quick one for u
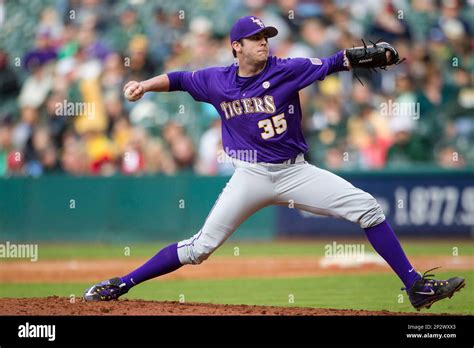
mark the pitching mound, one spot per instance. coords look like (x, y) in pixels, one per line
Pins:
(62, 306)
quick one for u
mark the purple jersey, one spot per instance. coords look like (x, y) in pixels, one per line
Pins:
(260, 114)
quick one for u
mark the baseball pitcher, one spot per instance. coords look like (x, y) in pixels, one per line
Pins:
(257, 100)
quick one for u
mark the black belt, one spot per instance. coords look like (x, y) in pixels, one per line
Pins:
(292, 160)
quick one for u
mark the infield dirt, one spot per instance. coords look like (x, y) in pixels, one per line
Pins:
(73, 271)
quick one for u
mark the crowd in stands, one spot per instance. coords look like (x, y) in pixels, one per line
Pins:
(63, 65)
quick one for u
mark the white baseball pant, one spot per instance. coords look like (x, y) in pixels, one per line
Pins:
(254, 186)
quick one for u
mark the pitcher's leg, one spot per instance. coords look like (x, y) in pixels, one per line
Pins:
(322, 192)
(246, 192)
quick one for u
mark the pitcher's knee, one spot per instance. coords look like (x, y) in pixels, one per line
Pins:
(373, 214)
(197, 249)
(192, 254)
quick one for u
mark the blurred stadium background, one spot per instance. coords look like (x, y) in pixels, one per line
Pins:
(58, 50)
(105, 172)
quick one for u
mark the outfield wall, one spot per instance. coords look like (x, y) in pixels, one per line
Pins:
(64, 208)
(424, 204)
(114, 209)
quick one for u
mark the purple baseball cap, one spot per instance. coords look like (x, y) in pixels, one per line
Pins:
(248, 26)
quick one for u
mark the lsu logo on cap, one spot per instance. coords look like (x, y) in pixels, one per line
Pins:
(257, 21)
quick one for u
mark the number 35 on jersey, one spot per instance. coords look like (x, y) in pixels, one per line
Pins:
(273, 125)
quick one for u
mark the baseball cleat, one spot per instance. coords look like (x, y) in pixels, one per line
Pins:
(424, 292)
(107, 290)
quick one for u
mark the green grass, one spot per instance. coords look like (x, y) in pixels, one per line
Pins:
(303, 248)
(368, 292)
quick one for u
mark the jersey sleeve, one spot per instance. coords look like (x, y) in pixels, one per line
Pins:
(194, 82)
(308, 70)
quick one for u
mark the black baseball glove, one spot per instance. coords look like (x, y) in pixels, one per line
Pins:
(374, 56)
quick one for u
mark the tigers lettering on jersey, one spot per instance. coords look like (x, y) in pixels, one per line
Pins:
(248, 106)
(254, 109)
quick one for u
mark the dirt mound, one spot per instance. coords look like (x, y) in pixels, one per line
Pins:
(62, 306)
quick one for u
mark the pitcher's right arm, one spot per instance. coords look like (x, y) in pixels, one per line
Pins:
(134, 90)
(193, 82)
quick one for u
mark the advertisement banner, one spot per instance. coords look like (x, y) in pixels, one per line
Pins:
(415, 205)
